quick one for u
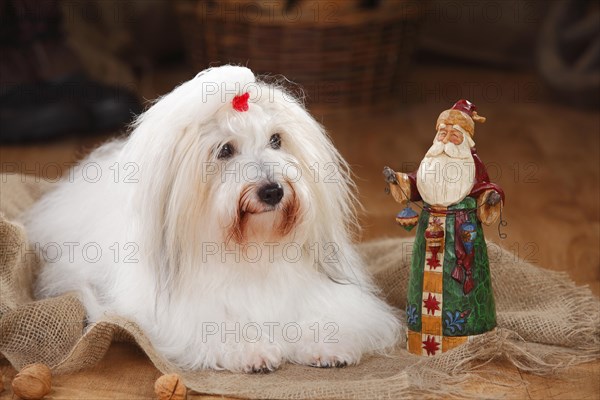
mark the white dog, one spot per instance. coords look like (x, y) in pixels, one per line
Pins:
(222, 226)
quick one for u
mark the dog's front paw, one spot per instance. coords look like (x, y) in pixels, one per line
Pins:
(261, 366)
(326, 356)
(327, 362)
(257, 362)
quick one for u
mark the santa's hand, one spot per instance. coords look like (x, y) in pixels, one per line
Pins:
(493, 198)
(398, 185)
(390, 175)
(489, 207)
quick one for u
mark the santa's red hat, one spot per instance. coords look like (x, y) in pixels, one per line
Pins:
(464, 114)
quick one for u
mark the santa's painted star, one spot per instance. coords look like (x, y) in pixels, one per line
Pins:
(431, 304)
(433, 262)
(431, 346)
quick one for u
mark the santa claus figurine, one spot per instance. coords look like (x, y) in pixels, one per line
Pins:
(450, 296)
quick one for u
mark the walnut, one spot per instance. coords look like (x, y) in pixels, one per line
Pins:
(33, 382)
(170, 387)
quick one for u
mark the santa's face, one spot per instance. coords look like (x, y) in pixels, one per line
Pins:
(449, 134)
(452, 140)
(447, 173)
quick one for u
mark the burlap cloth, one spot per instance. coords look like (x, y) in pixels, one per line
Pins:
(545, 323)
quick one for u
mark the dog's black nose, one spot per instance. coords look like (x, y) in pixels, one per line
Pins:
(271, 193)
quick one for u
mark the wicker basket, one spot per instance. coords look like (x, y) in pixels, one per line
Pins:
(339, 53)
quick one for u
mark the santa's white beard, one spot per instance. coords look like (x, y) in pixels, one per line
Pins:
(446, 174)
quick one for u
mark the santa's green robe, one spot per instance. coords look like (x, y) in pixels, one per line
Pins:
(450, 295)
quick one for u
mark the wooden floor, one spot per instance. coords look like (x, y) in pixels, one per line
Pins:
(545, 155)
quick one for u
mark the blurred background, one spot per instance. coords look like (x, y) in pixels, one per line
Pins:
(376, 73)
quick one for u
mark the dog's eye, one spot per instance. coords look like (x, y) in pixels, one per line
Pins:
(226, 151)
(275, 141)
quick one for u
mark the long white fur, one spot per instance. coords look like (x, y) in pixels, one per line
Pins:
(163, 224)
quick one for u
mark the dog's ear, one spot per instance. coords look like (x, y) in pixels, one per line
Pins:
(332, 220)
(340, 228)
(160, 138)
